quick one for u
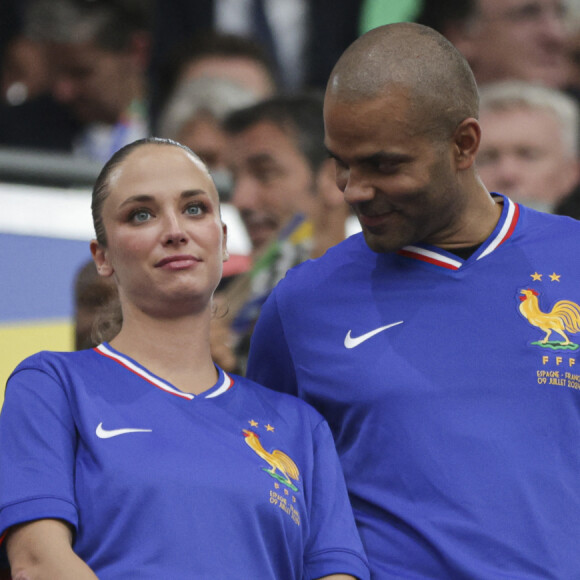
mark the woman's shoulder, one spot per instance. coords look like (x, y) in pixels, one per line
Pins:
(50, 361)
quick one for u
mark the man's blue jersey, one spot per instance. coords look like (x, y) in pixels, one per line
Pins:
(238, 482)
(452, 388)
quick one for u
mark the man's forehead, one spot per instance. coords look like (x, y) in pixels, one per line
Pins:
(265, 136)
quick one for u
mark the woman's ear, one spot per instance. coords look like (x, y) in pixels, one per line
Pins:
(100, 257)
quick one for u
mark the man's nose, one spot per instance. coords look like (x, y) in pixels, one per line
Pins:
(244, 194)
(356, 188)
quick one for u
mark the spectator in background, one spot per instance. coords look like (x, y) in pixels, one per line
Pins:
(275, 149)
(195, 111)
(285, 192)
(24, 70)
(573, 48)
(97, 309)
(98, 52)
(11, 13)
(305, 37)
(216, 55)
(505, 39)
(529, 143)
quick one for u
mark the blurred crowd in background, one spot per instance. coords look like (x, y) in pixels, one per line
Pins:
(241, 81)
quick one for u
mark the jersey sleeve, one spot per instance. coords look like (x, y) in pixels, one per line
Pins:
(37, 446)
(334, 545)
(270, 362)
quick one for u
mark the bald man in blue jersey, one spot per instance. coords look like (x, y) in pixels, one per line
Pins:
(440, 342)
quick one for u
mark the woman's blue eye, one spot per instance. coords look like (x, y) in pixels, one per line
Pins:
(194, 209)
(141, 215)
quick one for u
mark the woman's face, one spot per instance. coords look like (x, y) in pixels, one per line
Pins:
(165, 239)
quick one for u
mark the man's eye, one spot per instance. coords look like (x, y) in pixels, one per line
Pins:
(266, 174)
(387, 168)
(140, 215)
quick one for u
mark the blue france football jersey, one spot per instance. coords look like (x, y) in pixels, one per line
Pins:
(238, 482)
(452, 388)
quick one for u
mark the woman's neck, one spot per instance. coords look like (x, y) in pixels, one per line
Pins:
(175, 349)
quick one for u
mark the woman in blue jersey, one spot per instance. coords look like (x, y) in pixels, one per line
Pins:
(142, 459)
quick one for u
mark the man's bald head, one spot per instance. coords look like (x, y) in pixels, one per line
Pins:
(415, 59)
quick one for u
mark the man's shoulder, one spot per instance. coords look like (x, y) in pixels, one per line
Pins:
(352, 250)
(537, 223)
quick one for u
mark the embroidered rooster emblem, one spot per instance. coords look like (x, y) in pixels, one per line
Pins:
(278, 460)
(564, 316)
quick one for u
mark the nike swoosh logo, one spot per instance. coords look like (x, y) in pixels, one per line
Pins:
(350, 342)
(108, 433)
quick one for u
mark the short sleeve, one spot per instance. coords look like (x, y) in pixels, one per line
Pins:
(270, 362)
(37, 447)
(334, 545)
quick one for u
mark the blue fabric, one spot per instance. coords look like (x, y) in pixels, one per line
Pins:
(181, 494)
(457, 428)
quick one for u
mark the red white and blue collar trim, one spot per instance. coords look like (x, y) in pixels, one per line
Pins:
(502, 232)
(224, 383)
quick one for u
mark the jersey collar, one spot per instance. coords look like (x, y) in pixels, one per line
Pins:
(223, 384)
(439, 257)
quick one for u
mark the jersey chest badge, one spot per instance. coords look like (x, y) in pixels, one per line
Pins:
(556, 323)
(282, 468)
(553, 325)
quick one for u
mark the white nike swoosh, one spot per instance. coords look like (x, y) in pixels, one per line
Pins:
(350, 342)
(107, 434)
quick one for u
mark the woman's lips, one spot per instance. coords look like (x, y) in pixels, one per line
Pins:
(177, 262)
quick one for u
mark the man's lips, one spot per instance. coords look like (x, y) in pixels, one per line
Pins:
(177, 262)
(373, 221)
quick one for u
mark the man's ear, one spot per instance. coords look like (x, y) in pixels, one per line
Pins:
(225, 253)
(467, 138)
(100, 257)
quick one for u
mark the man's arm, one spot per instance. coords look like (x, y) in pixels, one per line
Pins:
(270, 362)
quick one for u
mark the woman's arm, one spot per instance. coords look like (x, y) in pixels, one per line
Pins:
(331, 577)
(42, 549)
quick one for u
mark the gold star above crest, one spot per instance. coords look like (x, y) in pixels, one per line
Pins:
(253, 423)
(537, 277)
(269, 428)
(555, 277)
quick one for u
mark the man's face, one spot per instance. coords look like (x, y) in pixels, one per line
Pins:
(523, 155)
(95, 84)
(523, 39)
(272, 180)
(204, 135)
(399, 181)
